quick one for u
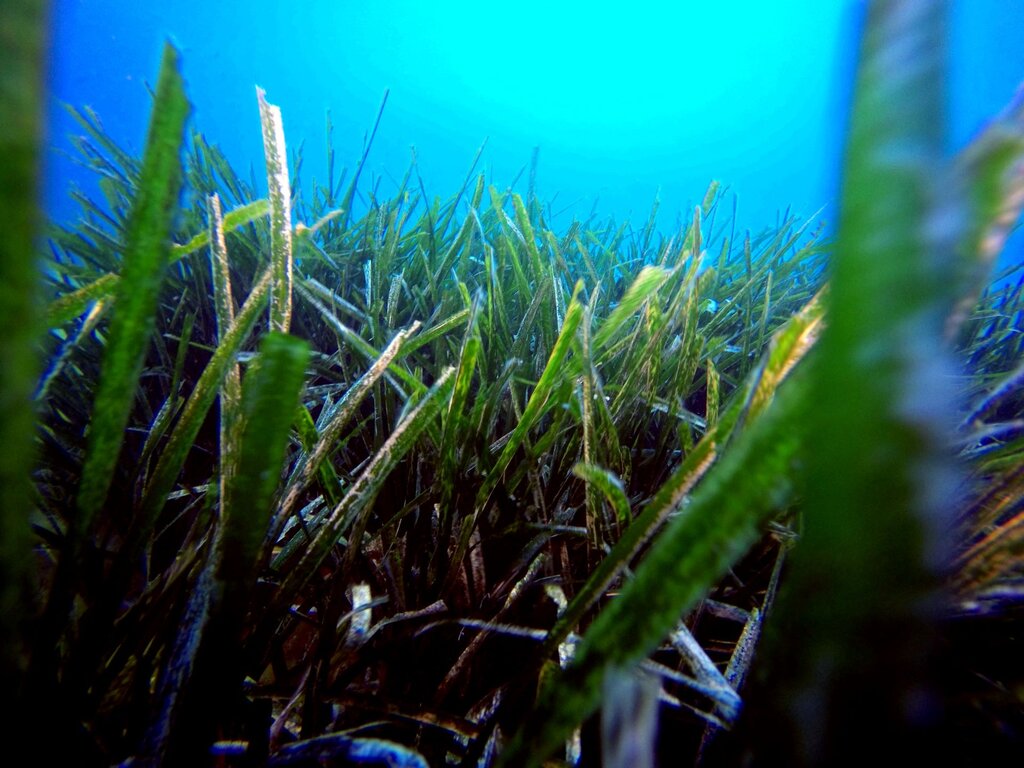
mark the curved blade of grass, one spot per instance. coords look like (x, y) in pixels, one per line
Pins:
(715, 529)
(322, 292)
(508, 244)
(471, 346)
(280, 193)
(239, 217)
(645, 285)
(184, 342)
(308, 435)
(608, 483)
(122, 166)
(528, 325)
(459, 244)
(73, 304)
(600, 436)
(147, 245)
(434, 332)
(789, 346)
(992, 167)
(85, 326)
(587, 381)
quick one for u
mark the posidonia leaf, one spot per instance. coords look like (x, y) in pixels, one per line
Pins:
(232, 220)
(712, 399)
(71, 305)
(529, 238)
(471, 346)
(880, 477)
(280, 213)
(644, 286)
(218, 603)
(172, 458)
(991, 168)
(358, 343)
(147, 246)
(270, 397)
(338, 417)
(20, 145)
(609, 485)
(224, 306)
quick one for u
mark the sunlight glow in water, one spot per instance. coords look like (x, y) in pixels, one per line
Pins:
(623, 99)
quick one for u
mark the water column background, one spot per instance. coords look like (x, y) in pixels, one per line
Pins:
(626, 101)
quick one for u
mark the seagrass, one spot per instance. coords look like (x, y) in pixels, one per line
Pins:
(542, 456)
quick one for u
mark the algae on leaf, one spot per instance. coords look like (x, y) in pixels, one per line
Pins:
(280, 193)
(859, 607)
(147, 248)
(21, 84)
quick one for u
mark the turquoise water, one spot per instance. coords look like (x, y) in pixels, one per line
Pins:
(626, 101)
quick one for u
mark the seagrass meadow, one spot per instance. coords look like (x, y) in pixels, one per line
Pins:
(329, 478)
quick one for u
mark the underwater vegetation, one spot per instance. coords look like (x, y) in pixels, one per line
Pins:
(433, 483)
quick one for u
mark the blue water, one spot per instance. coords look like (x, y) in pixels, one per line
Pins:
(626, 101)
